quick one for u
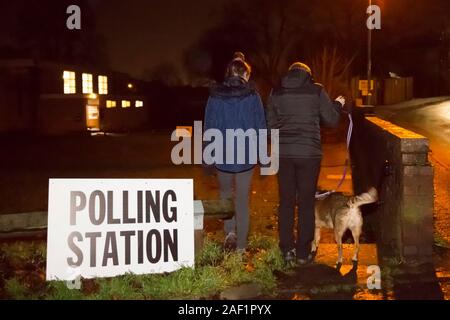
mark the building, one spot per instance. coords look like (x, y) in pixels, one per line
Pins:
(52, 98)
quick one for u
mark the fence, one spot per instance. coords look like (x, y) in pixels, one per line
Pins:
(386, 91)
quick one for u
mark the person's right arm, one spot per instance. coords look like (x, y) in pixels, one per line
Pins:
(330, 111)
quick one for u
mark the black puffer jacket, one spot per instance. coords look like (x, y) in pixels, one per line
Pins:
(297, 109)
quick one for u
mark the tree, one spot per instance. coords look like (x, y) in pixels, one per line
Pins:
(198, 64)
(332, 70)
(166, 73)
(265, 30)
(274, 34)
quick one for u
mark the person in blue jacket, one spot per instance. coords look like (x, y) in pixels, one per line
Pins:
(232, 105)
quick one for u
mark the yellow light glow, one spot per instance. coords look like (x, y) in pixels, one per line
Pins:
(110, 104)
(130, 86)
(126, 104)
(88, 83)
(92, 113)
(139, 104)
(92, 96)
(70, 86)
(183, 131)
(446, 110)
(102, 84)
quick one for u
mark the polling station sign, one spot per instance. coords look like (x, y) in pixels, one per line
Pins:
(110, 227)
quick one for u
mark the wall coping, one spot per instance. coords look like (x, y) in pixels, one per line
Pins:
(411, 142)
(394, 129)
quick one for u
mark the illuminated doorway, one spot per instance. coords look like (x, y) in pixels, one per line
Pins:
(92, 118)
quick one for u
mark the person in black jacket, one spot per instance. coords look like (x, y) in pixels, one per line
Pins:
(297, 108)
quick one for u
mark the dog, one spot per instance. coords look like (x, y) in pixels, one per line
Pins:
(340, 212)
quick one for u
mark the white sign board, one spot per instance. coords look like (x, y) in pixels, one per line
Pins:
(110, 227)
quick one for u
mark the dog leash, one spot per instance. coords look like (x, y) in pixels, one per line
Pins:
(324, 195)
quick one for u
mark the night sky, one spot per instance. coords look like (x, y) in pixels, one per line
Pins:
(142, 34)
(135, 36)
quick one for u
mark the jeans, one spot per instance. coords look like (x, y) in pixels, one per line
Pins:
(297, 180)
(239, 224)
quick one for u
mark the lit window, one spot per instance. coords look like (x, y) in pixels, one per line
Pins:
(110, 104)
(70, 86)
(126, 104)
(102, 84)
(139, 104)
(88, 86)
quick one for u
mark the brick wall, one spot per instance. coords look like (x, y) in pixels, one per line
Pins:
(395, 161)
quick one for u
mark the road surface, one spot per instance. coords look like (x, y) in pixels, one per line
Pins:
(425, 117)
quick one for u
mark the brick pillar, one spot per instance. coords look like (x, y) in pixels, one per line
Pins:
(417, 201)
(406, 192)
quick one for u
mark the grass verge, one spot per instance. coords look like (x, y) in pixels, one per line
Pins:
(22, 275)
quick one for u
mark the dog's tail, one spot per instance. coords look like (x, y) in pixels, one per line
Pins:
(370, 196)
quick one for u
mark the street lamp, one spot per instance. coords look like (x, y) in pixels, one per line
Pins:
(369, 62)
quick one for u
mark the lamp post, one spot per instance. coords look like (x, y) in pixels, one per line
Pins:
(369, 62)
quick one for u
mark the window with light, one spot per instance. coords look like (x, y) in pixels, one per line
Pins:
(126, 104)
(110, 104)
(102, 84)
(88, 84)
(70, 85)
(139, 104)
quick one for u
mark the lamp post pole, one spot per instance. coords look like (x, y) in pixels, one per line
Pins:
(369, 62)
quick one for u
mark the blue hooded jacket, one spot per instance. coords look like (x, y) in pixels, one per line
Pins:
(236, 105)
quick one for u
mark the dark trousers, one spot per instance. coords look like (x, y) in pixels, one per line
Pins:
(297, 180)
